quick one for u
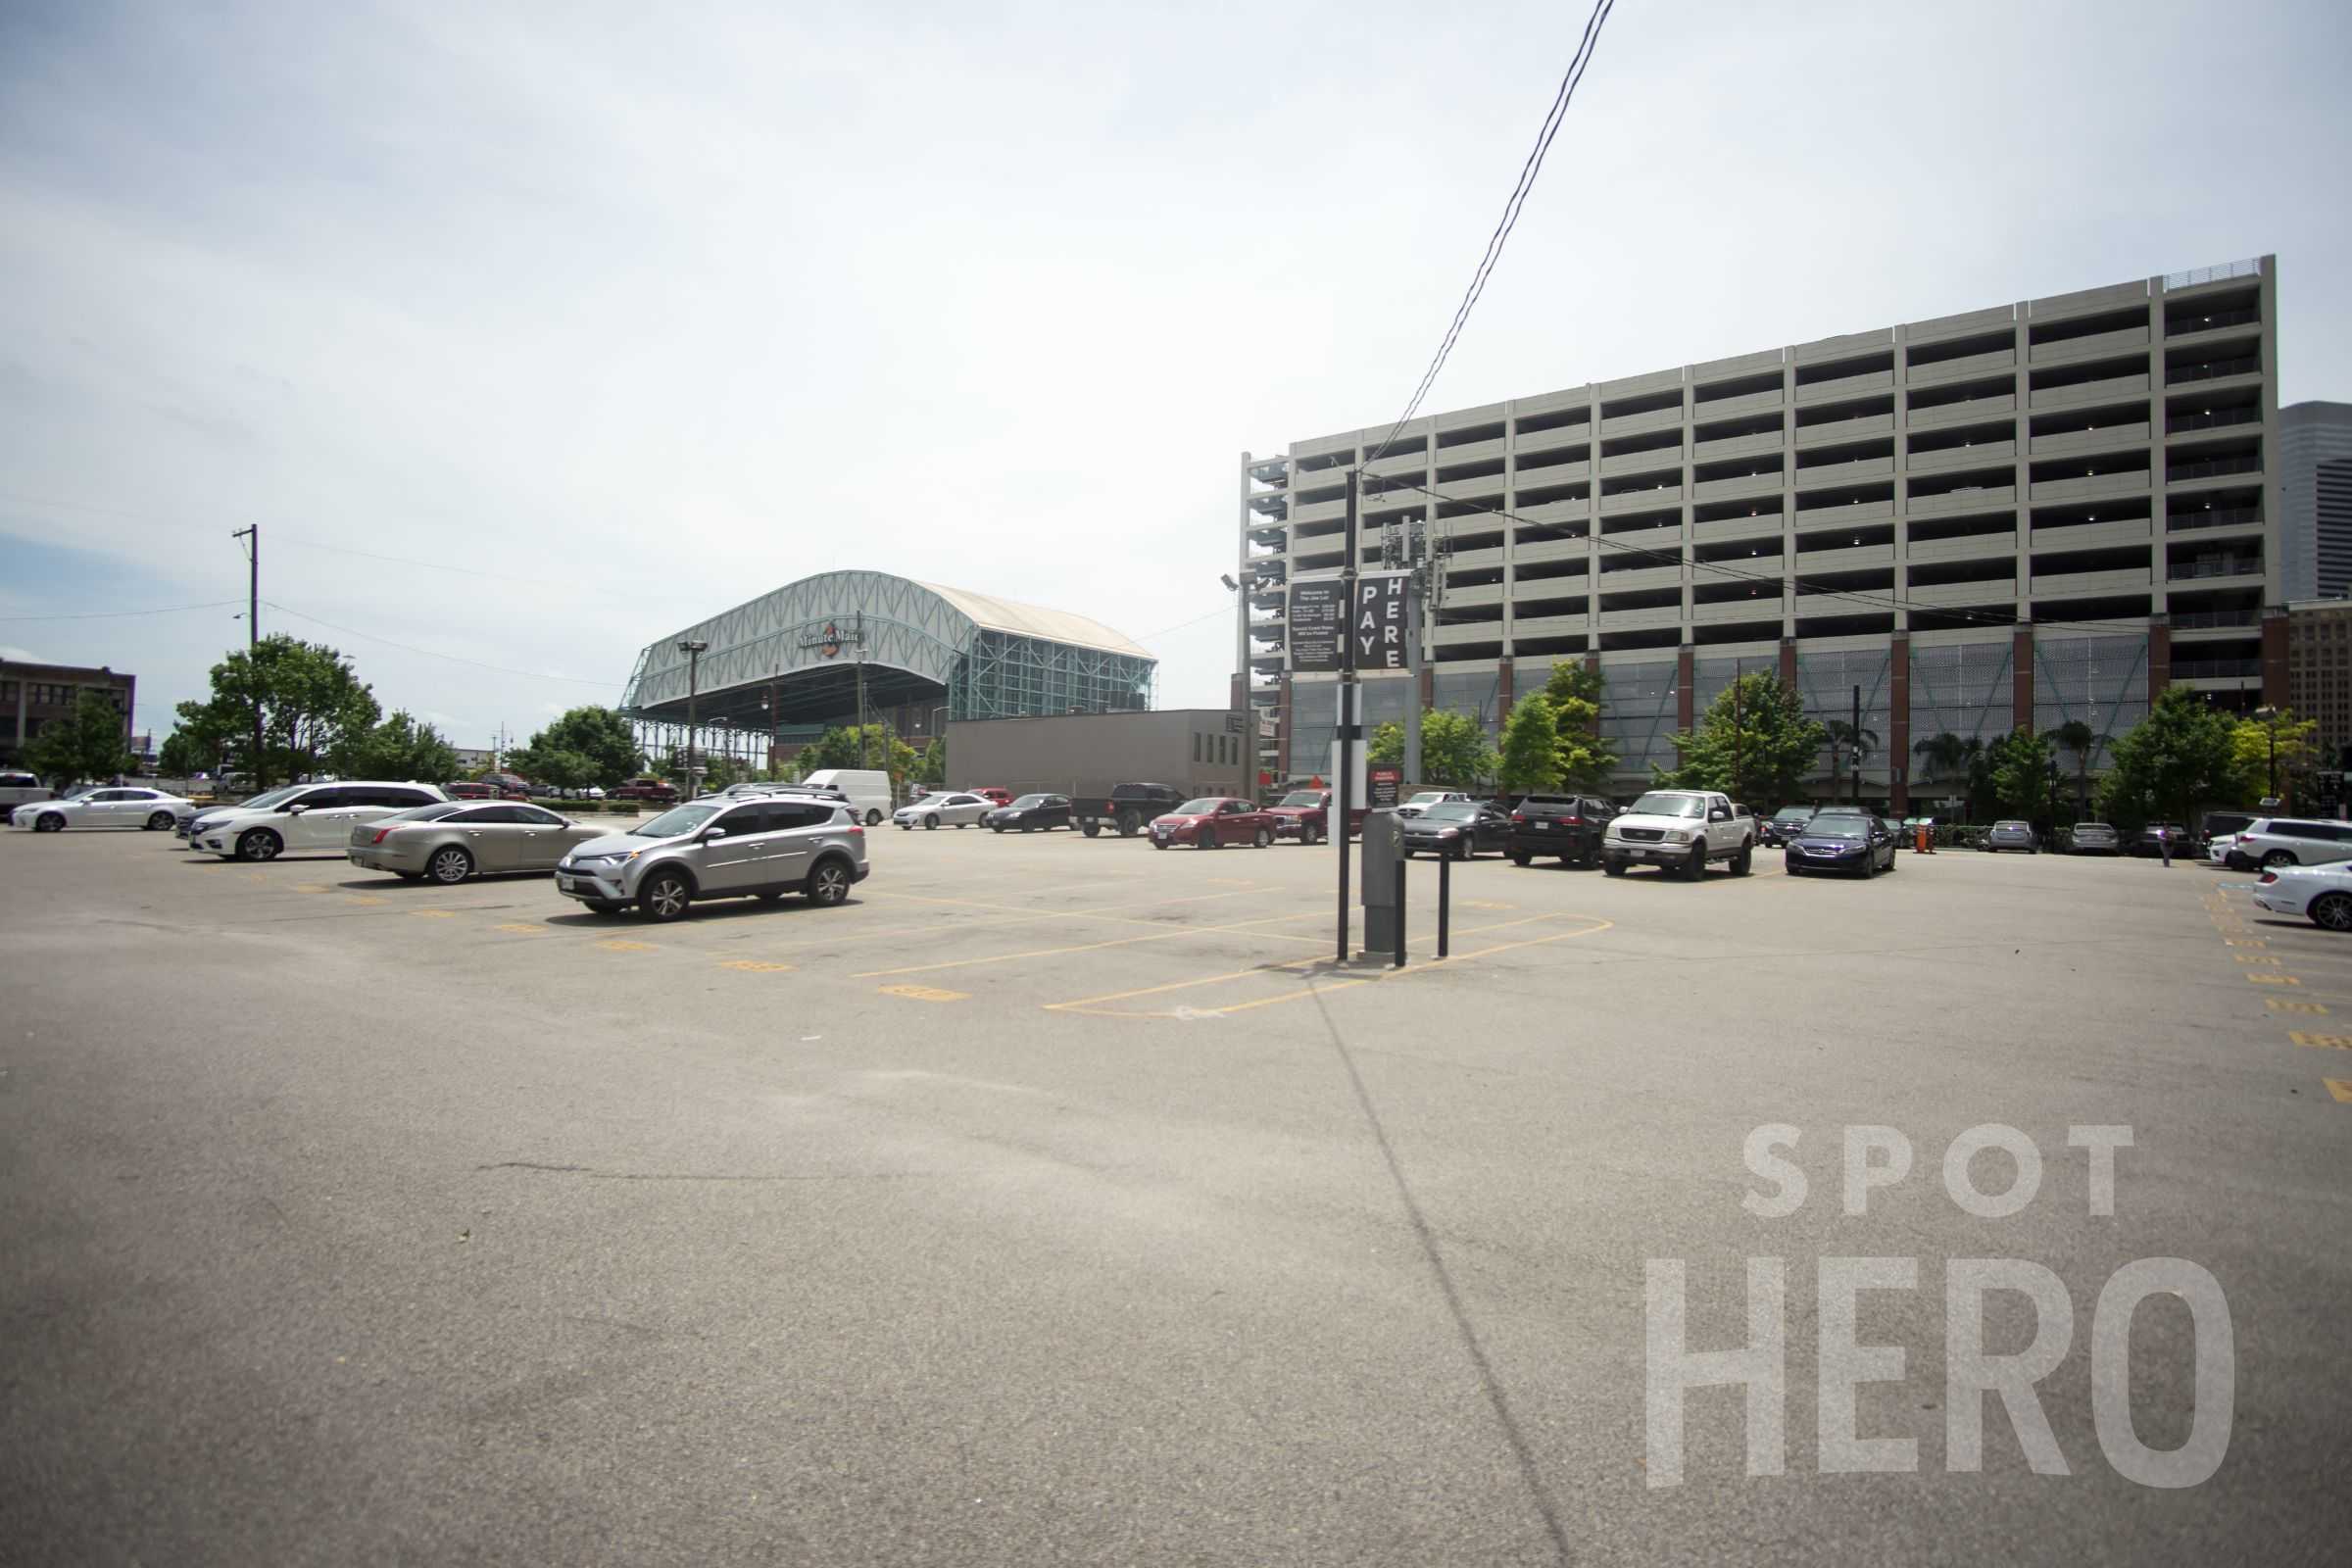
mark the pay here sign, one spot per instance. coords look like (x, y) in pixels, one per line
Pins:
(1380, 620)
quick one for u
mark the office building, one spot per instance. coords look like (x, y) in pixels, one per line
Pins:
(34, 696)
(2013, 517)
(2314, 503)
(2319, 682)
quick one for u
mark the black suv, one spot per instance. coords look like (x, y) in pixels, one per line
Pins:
(1566, 825)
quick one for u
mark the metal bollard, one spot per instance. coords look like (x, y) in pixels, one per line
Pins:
(1445, 904)
(1400, 963)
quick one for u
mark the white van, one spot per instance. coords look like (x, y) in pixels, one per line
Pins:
(869, 790)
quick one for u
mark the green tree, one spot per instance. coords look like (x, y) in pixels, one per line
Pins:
(2183, 755)
(2081, 740)
(1754, 743)
(86, 744)
(933, 768)
(1530, 747)
(840, 748)
(2019, 764)
(602, 750)
(310, 702)
(1588, 759)
(2272, 747)
(1454, 749)
(398, 748)
(187, 752)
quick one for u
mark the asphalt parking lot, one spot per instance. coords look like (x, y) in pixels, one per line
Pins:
(1060, 1200)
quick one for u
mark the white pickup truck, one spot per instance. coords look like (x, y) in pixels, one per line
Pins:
(20, 789)
(1680, 831)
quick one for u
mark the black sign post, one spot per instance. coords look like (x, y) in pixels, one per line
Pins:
(1348, 725)
(1318, 619)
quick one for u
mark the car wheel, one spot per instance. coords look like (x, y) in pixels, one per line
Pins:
(1204, 838)
(1091, 829)
(1891, 861)
(1744, 861)
(450, 867)
(1310, 835)
(1613, 867)
(2278, 857)
(1264, 839)
(1159, 844)
(931, 822)
(873, 816)
(997, 827)
(2331, 912)
(1695, 868)
(1028, 827)
(160, 822)
(259, 844)
(49, 822)
(1129, 824)
(666, 895)
(1794, 871)
(828, 884)
(1522, 857)
(1464, 848)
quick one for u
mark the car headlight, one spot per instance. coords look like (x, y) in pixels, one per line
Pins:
(1449, 833)
(1679, 835)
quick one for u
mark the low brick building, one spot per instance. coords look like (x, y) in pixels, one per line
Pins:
(34, 696)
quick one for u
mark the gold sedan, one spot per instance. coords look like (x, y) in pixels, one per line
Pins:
(450, 841)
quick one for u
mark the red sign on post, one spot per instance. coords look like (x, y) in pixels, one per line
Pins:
(1384, 781)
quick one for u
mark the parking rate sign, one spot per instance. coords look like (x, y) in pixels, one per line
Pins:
(1380, 620)
(1318, 608)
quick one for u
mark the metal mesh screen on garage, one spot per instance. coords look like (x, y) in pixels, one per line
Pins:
(1963, 690)
(1638, 712)
(1825, 681)
(1474, 692)
(2103, 681)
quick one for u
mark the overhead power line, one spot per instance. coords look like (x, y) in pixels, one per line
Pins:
(1528, 171)
(119, 614)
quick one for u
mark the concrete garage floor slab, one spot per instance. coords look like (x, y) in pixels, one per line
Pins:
(1058, 1200)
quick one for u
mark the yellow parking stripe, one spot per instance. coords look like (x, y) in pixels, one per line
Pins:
(755, 966)
(521, 929)
(926, 994)
(2273, 980)
(2340, 1088)
(617, 945)
(2324, 1042)
(434, 914)
(2283, 1004)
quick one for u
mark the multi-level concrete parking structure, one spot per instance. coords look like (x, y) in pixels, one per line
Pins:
(2016, 516)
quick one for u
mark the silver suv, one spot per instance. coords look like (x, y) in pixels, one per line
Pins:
(719, 849)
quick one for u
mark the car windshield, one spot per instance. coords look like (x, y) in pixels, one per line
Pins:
(76, 794)
(1427, 798)
(2008, 827)
(426, 813)
(1302, 798)
(274, 798)
(675, 822)
(1657, 804)
(1793, 814)
(1202, 807)
(1826, 826)
(1451, 811)
(1030, 800)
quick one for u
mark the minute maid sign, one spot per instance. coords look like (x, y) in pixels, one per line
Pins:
(1380, 620)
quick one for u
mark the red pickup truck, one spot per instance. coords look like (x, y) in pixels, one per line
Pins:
(646, 789)
(1305, 815)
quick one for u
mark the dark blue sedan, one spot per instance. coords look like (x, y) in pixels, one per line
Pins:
(1855, 842)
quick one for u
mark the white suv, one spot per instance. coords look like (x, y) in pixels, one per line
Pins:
(302, 817)
(2277, 841)
(1679, 830)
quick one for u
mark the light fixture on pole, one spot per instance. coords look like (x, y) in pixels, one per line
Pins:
(694, 648)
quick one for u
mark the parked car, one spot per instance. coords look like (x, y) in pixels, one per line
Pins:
(2221, 850)
(955, 809)
(1303, 814)
(2322, 894)
(1681, 830)
(301, 816)
(1459, 828)
(991, 792)
(1030, 813)
(1569, 826)
(867, 789)
(1782, 824)
(454, 840)
(2275, 841)
(1856, 842)
(2094, 838)
(20, 789)
(1414, 804)
(102, 806)
(470, 790)
(717, 849)
(2012, 836)
(647, 789)
(2220, 825)
(1212, 822)
(1127, 808)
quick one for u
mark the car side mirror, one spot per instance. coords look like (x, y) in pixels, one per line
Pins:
(296, 810)
(713, 833)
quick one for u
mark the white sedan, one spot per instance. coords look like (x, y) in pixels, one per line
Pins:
(105, 806)
(2320, 892)
(956, 808)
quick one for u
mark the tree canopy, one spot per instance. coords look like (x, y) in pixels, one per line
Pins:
(2272, 748)
(1754, 744)
(2183, 755)
(839, 747)
(398, 748)
(2019, 767)
(1530, 747)
(589, 744)
(1588, 759)
(1454, 749)
(310, 700)
(86, 744)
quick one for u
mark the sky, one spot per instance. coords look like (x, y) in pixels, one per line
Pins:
(599, 318)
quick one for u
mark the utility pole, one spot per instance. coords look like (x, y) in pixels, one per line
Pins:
(692, 647)
(1854, 740)
(1348, 725)
(253, 645)
(858, 645)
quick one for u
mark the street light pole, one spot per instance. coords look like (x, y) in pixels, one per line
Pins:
(692, 647)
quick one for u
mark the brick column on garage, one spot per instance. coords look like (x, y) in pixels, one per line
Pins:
(1282, 730)
(1503, 691)
(1426, 683)
(2020, 672)
(1684, 707)
(2273, 657)
(2160, 656)
(1788, 663)
(1593, 664)
(1899, 724)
